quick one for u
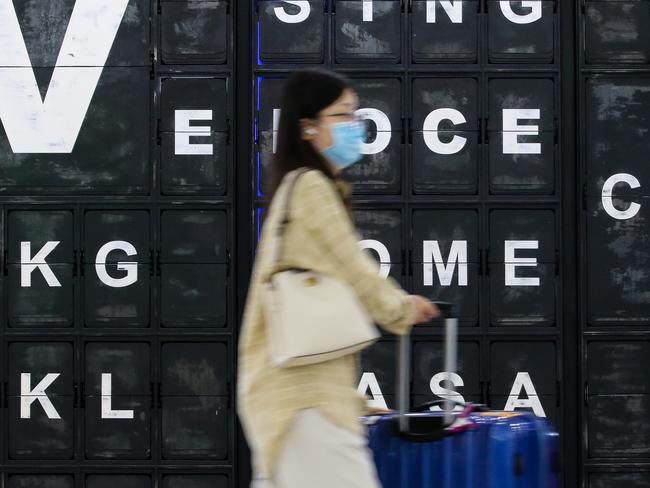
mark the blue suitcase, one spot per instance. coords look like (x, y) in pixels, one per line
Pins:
(475, 448)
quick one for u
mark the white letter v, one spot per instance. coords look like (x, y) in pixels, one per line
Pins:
(52, 125)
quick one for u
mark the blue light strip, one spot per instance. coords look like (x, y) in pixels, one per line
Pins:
(259, 61)
(259, 219)
(258, 186)
(259, 189)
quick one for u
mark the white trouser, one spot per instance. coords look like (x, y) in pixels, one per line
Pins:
(317, 453)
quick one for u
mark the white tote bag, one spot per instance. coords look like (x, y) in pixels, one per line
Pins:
(312, 316)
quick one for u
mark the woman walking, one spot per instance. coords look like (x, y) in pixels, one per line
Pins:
(302, 422)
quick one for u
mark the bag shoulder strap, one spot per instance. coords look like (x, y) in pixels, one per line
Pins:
(285, 211)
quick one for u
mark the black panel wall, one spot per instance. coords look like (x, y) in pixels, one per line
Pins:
(118, 237)
(504, 170)
(614, 87)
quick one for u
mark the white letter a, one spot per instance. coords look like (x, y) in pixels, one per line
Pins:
(523, 382)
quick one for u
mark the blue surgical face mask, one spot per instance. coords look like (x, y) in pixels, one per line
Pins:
(346, 146)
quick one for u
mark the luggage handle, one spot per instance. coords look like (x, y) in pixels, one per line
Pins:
(404, 362)
(447, 308)
(424, 428)
(424, 407)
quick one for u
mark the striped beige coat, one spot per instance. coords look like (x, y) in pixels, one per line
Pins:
(320, 236)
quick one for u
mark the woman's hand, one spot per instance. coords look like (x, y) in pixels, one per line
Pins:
(425, 309)
(378, 410)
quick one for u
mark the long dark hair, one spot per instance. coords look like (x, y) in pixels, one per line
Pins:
(305, 93)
